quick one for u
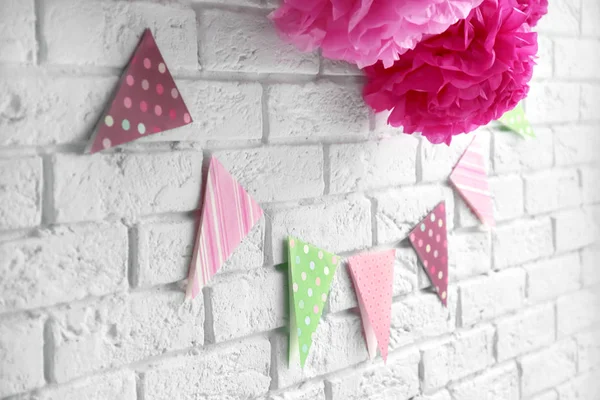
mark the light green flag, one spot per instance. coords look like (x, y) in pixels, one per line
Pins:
(310, 274)
(516, 121)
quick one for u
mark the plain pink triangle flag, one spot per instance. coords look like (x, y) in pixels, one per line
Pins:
(471, 181)
(430, 241)
(228, 215)
(373, 276)
(147, 101)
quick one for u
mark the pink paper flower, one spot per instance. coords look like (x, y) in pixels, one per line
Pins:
(536, 9)
(459, 80)
(366, 31)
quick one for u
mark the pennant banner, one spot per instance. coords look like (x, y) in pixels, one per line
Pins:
(373, 277)
(228, 215)
(146, 102)
(310, 274)
(430, 241)
(516, 121)
(470, 180)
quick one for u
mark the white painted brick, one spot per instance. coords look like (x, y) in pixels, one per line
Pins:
(551, 190)
(490, 296)
(588, 345)
(39, 108)
(20, 193)
(22, 354)
(470, 255)
(277, 173)
(315, 111)
(440, 395)
(119, 330)
(498, 383)
(575, 312)
(590, 102)
(507, 193)
(551, 278)
(575, 144)
(239, 370)
(396, 379)
(372, 165)
(582, 387)
(514, 154)
(456, 357)
(562, 19)
(89, 260)
(545, 61)
(125, 185)
(114, 385)
(247, 41)
(579, 58)
(17, 31)
(590, 192)
(437, 161)
(574, 229)
(465, 218)
(528, 330)
(304, 392)
(549, 367)
(398, 211)
(381, 128)
(336, 226)
(590, 15)
(106, 34)
(339, 343)
(522, 241)
(338, 67)
(590, 271)
(553, 102)
(342, 293)
(549, 395)
(248, 3)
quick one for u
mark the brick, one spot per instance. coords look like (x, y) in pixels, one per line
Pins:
(440, 395)
(549, 395)
(470, 255)
(578, 311)
(89, 260)
(399, 210)
(521, 242)
(17, 31)
(563, 18)
(246, 41)
(398, 378)
(22, 354)
(125, 185)
(336, 226)
(588, 345)
(277, 173)
(338, 67)
(248, 3)
(548, 367)
(507, 194)
(316, 111)
(338, 344)
(21, 194)
(513, 154)
(342, 293)
(122, 329)
(589, 190)
(382, 129)
(39, 108)
(465, 218)
(575, 144)
(574, 229)
(305, 392)
(590, 273)
(551, 190)
(456, 357)
(579, 58)
(498, 383)
(490, 296)
(243, 373)
(528, 330)
(590, 14)
(553, 102)
(582, 387)
(372, 165)
(113, 385)
(549, 279)
(249, 303)
(106, 34)
(545, 61)
(590, 95)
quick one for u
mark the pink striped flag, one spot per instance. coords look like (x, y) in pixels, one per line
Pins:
(228, 215)
(470, 179)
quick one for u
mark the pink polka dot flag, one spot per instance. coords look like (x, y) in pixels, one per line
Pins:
(430, 240)
(228, 215)
(147, 101)
(471, 181)
(373, 277)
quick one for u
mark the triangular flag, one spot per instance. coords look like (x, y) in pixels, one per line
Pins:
(228, 215)
(471, 181)
(430, 241)
(373, 277)
(310, 274)
(147, 101)
(516, 121)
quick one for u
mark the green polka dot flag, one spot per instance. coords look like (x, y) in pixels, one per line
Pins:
(516, 121)
(311, 271)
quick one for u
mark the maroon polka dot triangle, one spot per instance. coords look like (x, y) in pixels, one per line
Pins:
(430, 240)
(146, 102)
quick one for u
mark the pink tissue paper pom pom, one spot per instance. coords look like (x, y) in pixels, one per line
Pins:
(365, 31)
(535, 8)
(459, 80)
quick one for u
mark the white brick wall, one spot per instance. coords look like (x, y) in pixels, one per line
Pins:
(94, 249)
